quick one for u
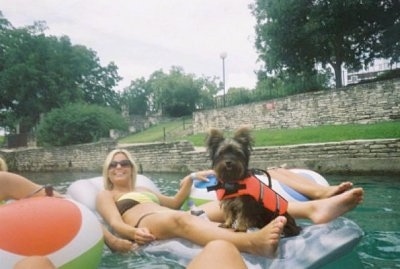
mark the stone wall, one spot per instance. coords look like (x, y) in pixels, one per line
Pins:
(84, 157)
(364, 103)
(358, 156)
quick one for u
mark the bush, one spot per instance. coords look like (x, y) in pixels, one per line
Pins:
(77, 124)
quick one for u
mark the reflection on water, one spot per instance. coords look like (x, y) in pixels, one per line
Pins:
(378, 216)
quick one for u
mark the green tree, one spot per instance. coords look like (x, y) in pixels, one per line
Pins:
(296, 35)
(77, 124)
(175, 93)
(209, 89)
(137, 97)
(172, 94)
(237, 96)
(389, 30)
(40, 72)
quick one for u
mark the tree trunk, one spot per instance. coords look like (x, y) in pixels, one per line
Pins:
(337, 67)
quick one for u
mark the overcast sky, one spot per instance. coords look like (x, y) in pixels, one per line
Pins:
(142, 36)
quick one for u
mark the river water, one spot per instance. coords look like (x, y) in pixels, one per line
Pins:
(378, 216)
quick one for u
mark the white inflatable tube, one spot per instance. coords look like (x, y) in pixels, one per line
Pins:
(200, 195)
(315, 246)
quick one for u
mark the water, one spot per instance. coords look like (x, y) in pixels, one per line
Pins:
(378, 216)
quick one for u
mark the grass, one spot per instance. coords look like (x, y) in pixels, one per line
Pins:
(158, 132)
(277, 137)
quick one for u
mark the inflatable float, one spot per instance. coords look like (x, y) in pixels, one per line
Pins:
(67, 232)
(316, 245)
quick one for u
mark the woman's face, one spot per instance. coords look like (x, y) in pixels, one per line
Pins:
(120, 170)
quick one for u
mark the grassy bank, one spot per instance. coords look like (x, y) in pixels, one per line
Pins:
(274, 137)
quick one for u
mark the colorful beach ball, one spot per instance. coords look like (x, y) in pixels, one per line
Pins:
(68, 233)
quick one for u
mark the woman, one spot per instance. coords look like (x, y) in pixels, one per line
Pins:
(150, 215)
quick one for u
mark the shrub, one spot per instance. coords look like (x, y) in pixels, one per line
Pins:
(77, 124)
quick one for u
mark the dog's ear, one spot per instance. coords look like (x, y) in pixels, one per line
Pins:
(213, 139)
(243, 136)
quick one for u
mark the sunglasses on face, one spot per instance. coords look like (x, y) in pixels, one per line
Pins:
(123, 163)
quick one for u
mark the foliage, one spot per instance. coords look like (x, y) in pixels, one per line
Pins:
(78, 123)
(389, 30)
(39, 73)
(135, 97)
(294, 36)
(237, 96)
(175, 94)
(269, 87)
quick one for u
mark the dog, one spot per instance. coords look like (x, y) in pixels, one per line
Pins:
(245, 200)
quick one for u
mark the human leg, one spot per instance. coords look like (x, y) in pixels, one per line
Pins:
(218, 254)
(307, 187)
(34, 262)
(325, 210)
(166, 225)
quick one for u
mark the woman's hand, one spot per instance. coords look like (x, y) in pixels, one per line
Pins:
(202, 175)
(143, 236)
(121, 245)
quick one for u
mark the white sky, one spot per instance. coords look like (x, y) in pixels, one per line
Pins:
(142, 36)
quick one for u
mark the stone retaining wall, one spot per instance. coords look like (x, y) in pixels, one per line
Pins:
(364, 103)
(358, 156)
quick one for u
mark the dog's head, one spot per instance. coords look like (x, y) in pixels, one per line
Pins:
(230, 156)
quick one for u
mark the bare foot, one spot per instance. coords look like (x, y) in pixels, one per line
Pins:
(330, 191)
(325, 210)
(266, 240)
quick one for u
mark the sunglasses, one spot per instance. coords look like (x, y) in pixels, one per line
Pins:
(123, 163)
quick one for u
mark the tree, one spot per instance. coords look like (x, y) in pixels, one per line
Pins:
(137, 97)
(95, 81)
(389, 30)
(237, 96)
(77, 124)
(175, 93)
(296, 35)
(39, 72)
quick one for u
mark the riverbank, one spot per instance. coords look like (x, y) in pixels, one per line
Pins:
(379, 156)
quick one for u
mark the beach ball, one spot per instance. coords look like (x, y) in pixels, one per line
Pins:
(68, 233)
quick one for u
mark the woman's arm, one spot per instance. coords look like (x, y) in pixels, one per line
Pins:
(106, 207)
(183, 193)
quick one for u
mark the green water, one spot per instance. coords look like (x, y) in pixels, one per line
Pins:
(378, 216)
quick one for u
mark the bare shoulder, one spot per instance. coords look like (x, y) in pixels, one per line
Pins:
(104, 194)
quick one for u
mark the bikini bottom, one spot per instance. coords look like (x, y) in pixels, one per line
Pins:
(142, 217)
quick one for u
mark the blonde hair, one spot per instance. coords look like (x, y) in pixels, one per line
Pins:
(106, 181)
(3, 165)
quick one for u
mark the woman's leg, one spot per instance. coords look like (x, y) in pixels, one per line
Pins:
(34, 262)
(218, 254)
(169, 224)
(307, 187)
(325, 210)
(318, 211)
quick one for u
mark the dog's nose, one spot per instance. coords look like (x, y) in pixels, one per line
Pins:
(228, 163)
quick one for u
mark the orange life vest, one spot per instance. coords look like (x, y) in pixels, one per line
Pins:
(253, 186)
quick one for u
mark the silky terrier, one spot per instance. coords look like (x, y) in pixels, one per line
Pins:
(247, 202)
